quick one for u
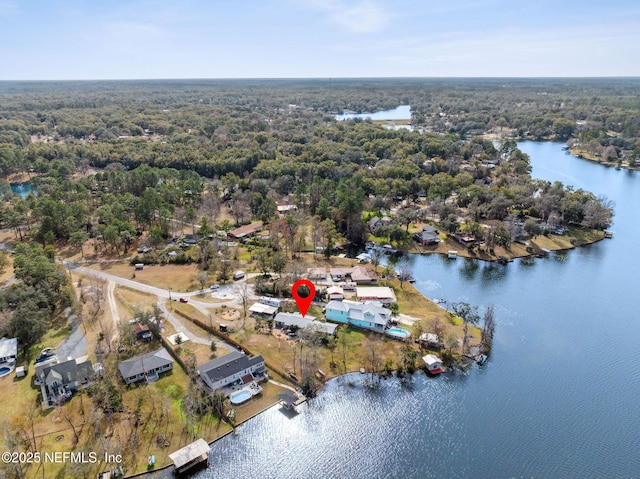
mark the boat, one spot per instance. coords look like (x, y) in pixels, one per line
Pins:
(482, 359)
(452, 254)
(363, 258)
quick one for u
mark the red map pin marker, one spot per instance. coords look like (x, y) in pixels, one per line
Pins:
(303, 303)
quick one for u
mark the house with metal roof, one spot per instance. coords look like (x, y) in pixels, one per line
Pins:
(335, 293)
(369, 315)
(293, 319)
(230, 369)
(383, 294)
(146, 367)
(286, 320)
(263, 310)
(245, 231)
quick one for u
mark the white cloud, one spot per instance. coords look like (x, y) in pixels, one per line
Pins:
(364, 16)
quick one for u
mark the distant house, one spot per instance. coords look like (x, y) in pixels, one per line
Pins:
(285, 207)
(370, 315)
(362, 275)
(59, 381)
(376, 222)
(8, 350)
(357, 274)
(316, 273)
(275, 302)
(232, 368)
(142, 332)
(428, 235)
(245, 231)
(431, 341)
(465, 239)
(286, 320)
(378, 293)
(146, 367)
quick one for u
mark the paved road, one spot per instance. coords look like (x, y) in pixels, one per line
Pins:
(74, 345)
(114, 310)
(162, 295)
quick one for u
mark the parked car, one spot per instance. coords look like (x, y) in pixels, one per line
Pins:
(183, 299)
(213, 287)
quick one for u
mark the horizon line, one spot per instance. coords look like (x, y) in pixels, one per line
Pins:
(329, 78)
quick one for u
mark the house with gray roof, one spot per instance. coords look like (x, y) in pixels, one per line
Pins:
(146, 367)
(286, 320)
(376, 222)
(59, 381)
(428, 235)
(231, 369)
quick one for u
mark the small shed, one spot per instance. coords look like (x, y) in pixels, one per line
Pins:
(139, 266)
(20, 372)
(191, 455)
(335, 293)
(433, 363)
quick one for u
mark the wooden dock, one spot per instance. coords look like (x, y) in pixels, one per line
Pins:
(192, 455)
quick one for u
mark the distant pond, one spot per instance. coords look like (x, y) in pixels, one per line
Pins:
(403, 112)
(23, 189)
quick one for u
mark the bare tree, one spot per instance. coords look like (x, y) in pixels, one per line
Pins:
(488, 329)
(376, 255)
(469, 315)
(404, 271)
(202, 278)
(373, 361)
(244, 292)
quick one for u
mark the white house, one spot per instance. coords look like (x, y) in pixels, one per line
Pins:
(232, 368)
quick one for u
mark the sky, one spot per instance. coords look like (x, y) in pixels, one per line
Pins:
(148, 39)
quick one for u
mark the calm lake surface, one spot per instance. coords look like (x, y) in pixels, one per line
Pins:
(557, 399)
(23, 189)
(403, 112)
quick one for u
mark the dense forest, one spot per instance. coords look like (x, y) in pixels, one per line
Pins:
(123, 162)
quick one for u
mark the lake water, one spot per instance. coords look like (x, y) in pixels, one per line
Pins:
(23, 189)
(403, 112)
(557, 399)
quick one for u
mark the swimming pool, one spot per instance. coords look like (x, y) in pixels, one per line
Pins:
(398, 333)
(4, 371)
(240, 397)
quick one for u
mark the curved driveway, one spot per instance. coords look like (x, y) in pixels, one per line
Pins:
(162, 295)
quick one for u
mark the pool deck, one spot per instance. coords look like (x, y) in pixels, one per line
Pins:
(253, 388)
